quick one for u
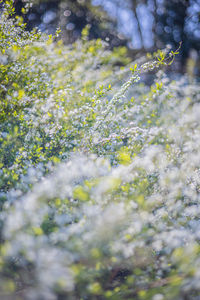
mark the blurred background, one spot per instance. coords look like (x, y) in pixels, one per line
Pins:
(142, 25)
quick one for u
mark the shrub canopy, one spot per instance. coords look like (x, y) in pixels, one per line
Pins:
(99, 179)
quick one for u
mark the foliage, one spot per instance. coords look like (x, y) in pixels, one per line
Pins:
(144, 25)
(99, 181)
(71, 16)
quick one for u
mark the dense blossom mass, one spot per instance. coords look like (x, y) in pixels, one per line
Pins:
(99, 178)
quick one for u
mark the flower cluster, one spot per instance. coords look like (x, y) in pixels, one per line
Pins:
(99, 180)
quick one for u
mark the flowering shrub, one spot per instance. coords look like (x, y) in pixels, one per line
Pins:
(99, 180)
